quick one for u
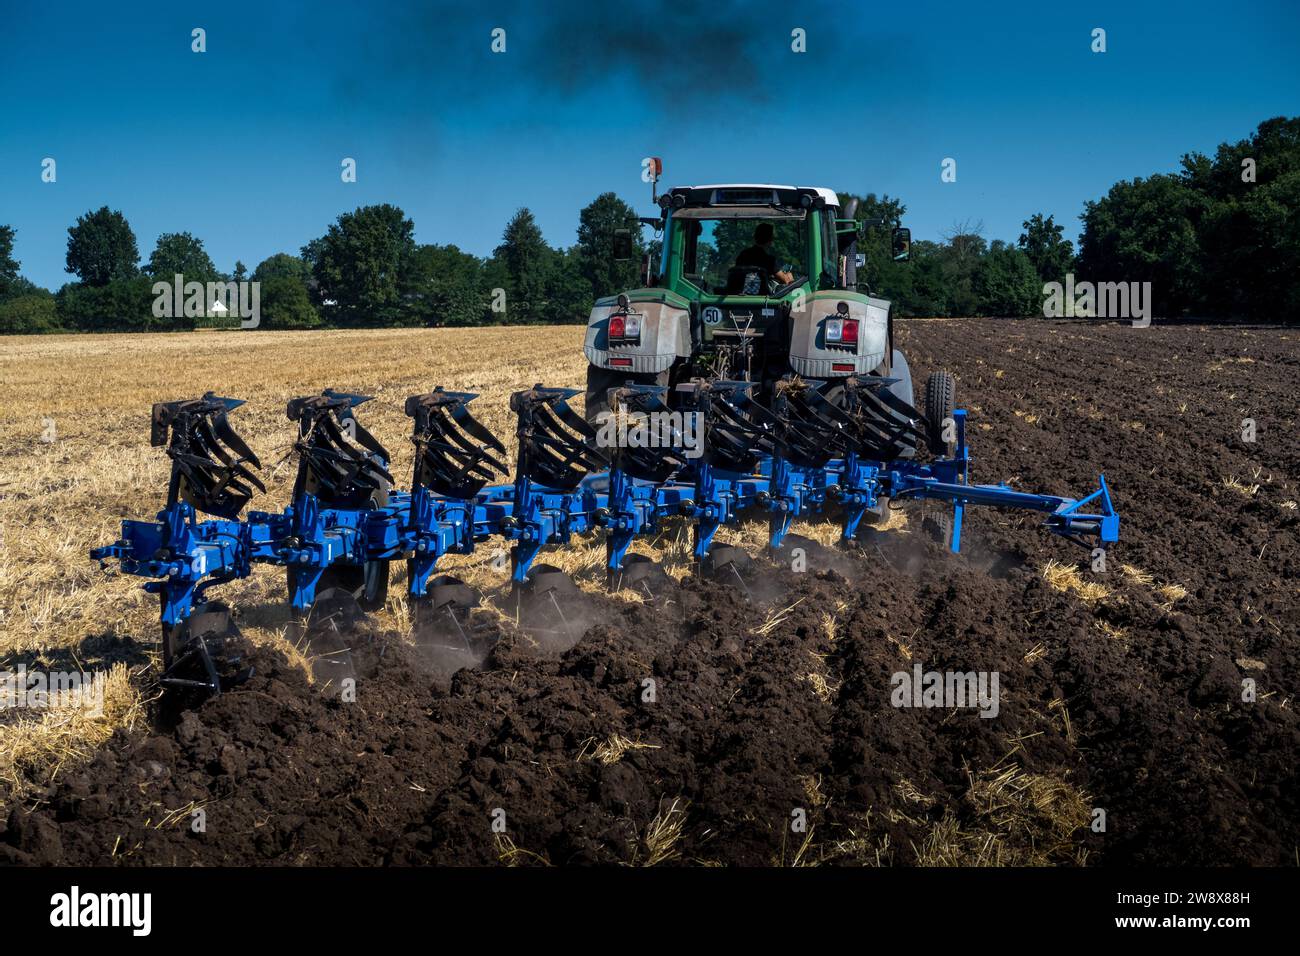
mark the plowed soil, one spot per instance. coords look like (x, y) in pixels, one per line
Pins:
(709, 728)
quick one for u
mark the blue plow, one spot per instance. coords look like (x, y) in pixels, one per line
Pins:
(713, 458)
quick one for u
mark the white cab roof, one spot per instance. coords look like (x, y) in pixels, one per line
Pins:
(827, 194)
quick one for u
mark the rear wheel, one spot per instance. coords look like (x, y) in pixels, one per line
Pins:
(940, 401)
(903, 391)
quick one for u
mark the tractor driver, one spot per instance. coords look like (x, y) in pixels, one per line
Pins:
(760, 255)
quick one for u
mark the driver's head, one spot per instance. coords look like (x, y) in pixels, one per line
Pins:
(763, 234)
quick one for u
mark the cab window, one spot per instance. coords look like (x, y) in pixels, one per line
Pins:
(710, 247)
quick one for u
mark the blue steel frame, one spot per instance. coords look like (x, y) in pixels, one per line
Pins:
(186, 556)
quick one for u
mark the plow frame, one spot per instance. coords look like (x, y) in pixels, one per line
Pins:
(186, 555)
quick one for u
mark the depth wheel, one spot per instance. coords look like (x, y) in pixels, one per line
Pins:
(940, 401)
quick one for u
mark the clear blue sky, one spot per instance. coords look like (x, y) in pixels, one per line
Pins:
(241, 145)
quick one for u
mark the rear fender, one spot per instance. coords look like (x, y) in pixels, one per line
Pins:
(665, 337)
(810, 354)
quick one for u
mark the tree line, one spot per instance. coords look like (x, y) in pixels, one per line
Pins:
(1221, 237)
(366, 270)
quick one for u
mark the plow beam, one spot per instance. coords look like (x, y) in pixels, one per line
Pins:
(1064, 515)
(186, 555)
(182, 554)
(882, 426)
(948, 480)
(340, 531)
(557, 448)
(740, 436)
(453, 450)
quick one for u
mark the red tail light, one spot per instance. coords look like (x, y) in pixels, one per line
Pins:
(616, 327)
(849, 334)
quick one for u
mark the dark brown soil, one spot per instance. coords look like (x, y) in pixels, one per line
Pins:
(745, 725)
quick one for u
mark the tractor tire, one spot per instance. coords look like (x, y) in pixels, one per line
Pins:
(940, 401)
(601, 380)
(899, 369)
(902, 389)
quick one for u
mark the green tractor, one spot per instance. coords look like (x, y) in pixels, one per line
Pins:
(753, 283)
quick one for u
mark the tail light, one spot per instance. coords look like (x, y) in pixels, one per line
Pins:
(624, 329)
(843, 331)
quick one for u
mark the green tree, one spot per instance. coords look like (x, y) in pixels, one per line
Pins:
(446, 287)
(283, 265)
(362, 265)
(101, 248)
(1147, 230)
(1006, 283)
(179, 253)
(1250, 236)
(8, 264)
(595, 250)
(1052, 255)
(496, 292)
(1251, 252)
(959, 262)
(569, 292)
(285, 304)
(527, 262)
(123, 305)
(241, 271)
(28, 314)
(880, 274)
(929, 294)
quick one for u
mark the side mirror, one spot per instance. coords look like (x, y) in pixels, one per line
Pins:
(622, 245)
(902, 244)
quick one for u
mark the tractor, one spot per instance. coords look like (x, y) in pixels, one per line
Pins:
(757, 283)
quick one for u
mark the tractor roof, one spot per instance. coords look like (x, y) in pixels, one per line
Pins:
(748, 194)
(827, 194)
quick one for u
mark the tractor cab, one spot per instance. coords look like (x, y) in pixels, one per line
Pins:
(747, 245)
(753, 242)
(753, 282)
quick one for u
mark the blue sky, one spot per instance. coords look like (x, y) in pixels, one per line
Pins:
(242, 145)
